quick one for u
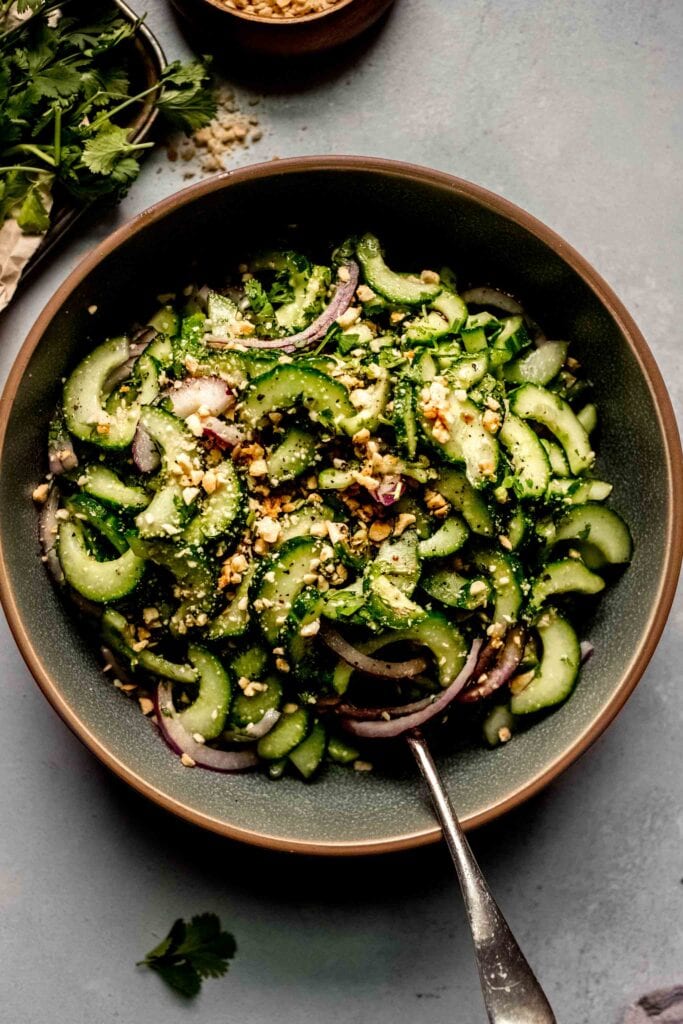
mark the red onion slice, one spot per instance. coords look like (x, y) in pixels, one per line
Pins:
(587, 650)
(259, 729)
(364, 663)
(341, 300)
(224, 435)
(398, 726)
(145, 454)
(47, 529)
(180, 741)
(374, 713)
(506, 665)
(61, 456)
(389, 491)
(485, 296)
(194, 392)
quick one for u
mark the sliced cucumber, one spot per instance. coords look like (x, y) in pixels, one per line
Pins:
(299, 523)
(503, 571)
(280, 581)
(250, 710)
(469, 370)
(599, 527)
(287, 733)
(340, 751)
(509, 341)
(194, 573)
(88, 509)
(392, 286)
(448, 538)
(538, 366)
(117, 634)
(250, 663)
(435, 632)
(288, 385)
(302, 651)
(474, 339)
(562, 577)
(207, 713)
(222, 314)
(98, 581)
(529, 460)
(293, 456)
(166, 321)
(86, 392)
(532, 402)
(467, 442)
(588, 417)
(499, 725)
(399, 561)
(146, 376)
(555, 678)
(308, 755)
(404, 420)
(234, 619)
(556, 457)
(578, 492)
(456, 591)
(456, 488)
(167, 512)
(309, 291)
(107, 486)
(370, 401)
(222, 510)
(389, 606)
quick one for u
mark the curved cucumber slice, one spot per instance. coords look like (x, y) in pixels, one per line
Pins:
(234, 620)
(147, 379)
(509, 341)
(167, 512)
(287, 733)
(299, 523)
(456, 488)
(529, 460)
(105, 485)
(89, 510)
(448, 539)
(308, 755)
(588, 417)
(456, 591)
(86, 392)
(389, 606)
(504, 574)
(578, 492)
(288, 385)
(194, 574)
(532, 402)
(517, 527)
(559, 668)
(250, 710)
(117, 635)
(562, 577)
(404, 417)
(251, 663)
(309, 289)
(221, 511)
(167, 322)
(392, 286)
(435, 632)
(399, 561)
(98, 581)
(556, 457)
(341, 752)
(600, 527)
(467, 441)
(292, 457)
(538, 366)
(468, 371)
(499, 723)
(280, 582)
(373, 400)
(206, 715)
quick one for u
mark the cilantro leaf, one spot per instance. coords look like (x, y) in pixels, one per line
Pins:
(33, 217)
(108, 151)
(185, 99)
(191, 952)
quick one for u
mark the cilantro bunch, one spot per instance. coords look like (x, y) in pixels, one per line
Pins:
(65, 97)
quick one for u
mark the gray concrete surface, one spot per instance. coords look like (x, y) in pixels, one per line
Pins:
(572, 110)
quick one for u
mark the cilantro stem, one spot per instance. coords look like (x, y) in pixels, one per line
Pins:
(26, 170)
(107, 116)
(58, 136)
(32, 151)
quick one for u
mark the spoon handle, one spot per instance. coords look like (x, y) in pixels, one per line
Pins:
(512, 995)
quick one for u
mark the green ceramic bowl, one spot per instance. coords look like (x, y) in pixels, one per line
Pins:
(423, 215)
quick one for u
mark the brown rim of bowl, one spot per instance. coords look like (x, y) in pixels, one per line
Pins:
(257, 19)
(667, 421)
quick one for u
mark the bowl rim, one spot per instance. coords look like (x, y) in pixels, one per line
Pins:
(258, 19)
(667, 422)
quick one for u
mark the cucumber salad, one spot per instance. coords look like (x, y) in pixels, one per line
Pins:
(329, 503)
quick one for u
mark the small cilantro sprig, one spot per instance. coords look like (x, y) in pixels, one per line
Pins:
(191, 952)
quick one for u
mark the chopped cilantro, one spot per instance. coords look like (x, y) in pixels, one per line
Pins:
(191, 952)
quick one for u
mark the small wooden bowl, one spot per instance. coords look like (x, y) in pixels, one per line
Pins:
(283, 37)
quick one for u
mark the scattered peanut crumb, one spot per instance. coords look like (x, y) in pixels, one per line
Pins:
(188, 761)
(40, 493)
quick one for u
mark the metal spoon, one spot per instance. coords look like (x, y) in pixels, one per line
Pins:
(512, 995)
